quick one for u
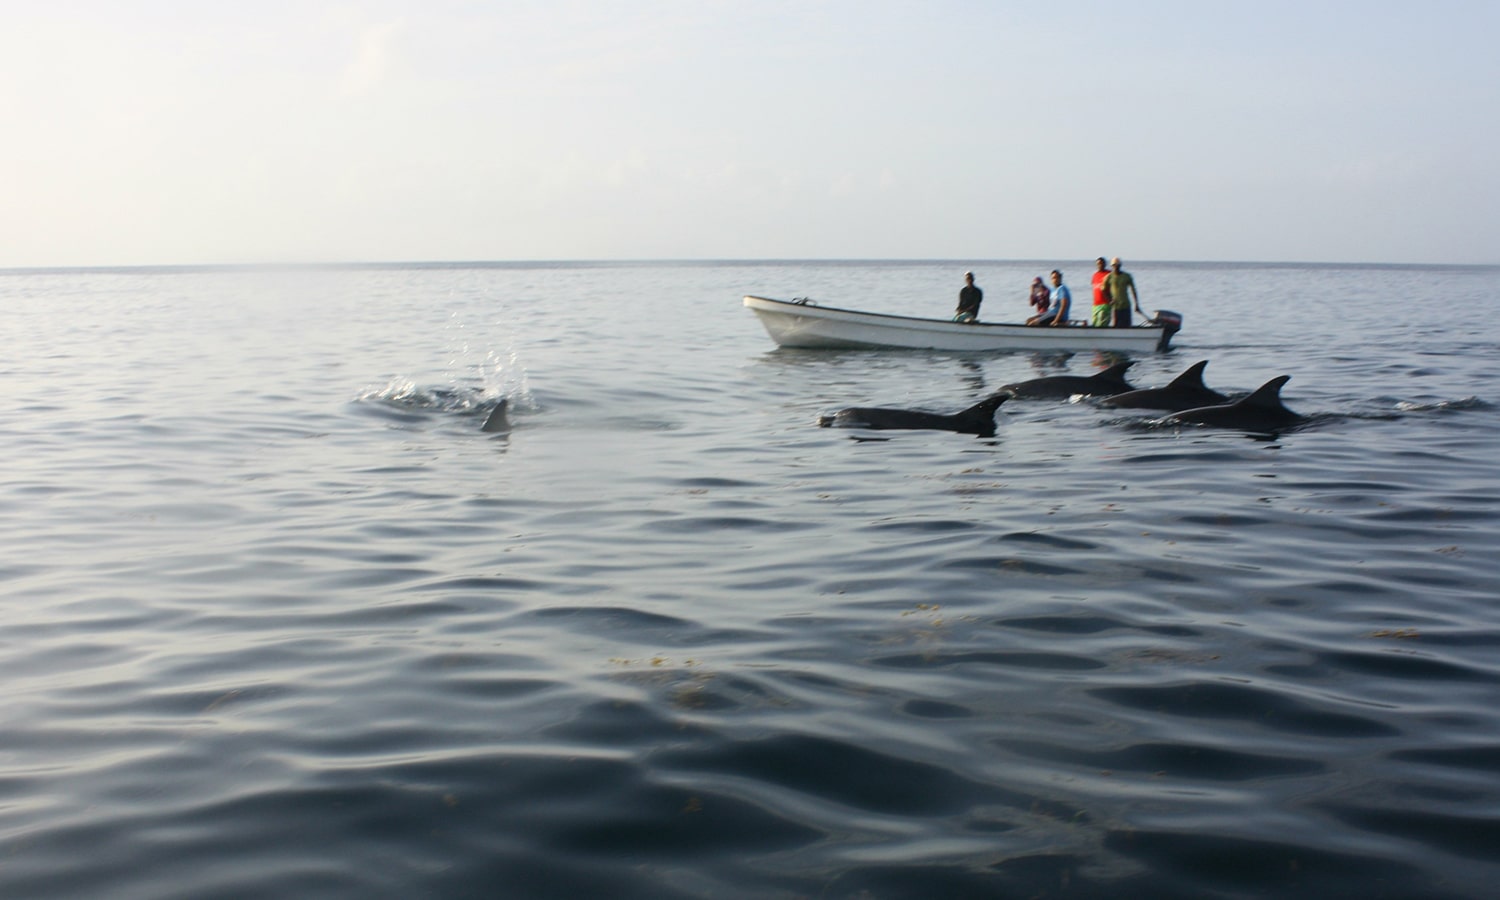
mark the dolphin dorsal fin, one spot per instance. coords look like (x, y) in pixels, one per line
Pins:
(1191, 377)
(1115, 372)
(499, 418)
(981, 416)
(1268, 394)
(988, 405)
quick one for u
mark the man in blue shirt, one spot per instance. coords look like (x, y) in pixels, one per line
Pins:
(1062, 299)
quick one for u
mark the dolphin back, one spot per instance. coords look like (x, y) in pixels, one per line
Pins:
(1101, 384)
(1262, 410)
(1186, 391)
(978, 419)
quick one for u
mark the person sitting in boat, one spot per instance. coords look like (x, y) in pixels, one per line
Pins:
(1057, 312)
(1040, 296)
(968, 301)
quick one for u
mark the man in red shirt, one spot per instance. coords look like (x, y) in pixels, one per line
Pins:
(1102, 316)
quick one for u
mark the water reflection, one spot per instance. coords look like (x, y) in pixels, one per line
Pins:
(1051, 360)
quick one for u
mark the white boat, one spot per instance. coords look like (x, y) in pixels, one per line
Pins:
(803, 323)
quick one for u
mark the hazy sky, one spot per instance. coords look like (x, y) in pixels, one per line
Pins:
(198, 132)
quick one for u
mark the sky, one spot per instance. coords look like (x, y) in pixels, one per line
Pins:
(161, 132)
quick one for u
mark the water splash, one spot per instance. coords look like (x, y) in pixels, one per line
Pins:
(1442, 405)
(491, 360)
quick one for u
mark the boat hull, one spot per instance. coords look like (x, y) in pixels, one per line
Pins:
(806, 325)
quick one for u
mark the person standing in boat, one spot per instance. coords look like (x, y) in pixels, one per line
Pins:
(1062, 299)
(968, 301)
(1121, 290)
(1103, 314)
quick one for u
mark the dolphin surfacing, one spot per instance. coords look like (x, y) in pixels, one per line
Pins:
(1261, 412)
(1186, 391)
(498, 419)
(978, 419)
(1103, 384)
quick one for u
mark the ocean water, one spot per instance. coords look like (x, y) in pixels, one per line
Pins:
(278, 620)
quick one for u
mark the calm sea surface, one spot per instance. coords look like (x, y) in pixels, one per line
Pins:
(277, 620)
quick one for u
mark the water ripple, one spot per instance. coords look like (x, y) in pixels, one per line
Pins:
(1252, 705)
(272, 632)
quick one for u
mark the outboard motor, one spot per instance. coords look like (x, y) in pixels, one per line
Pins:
(1170, 323)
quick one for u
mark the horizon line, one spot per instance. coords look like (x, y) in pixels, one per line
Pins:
(377, 265)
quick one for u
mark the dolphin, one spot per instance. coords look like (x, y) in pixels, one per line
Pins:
(1260, 412)
(1104, 384)
(978, 419)
(1186, 391)
(499, 417)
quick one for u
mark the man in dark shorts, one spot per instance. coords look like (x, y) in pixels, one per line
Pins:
(1120, 288)
(968, 301)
